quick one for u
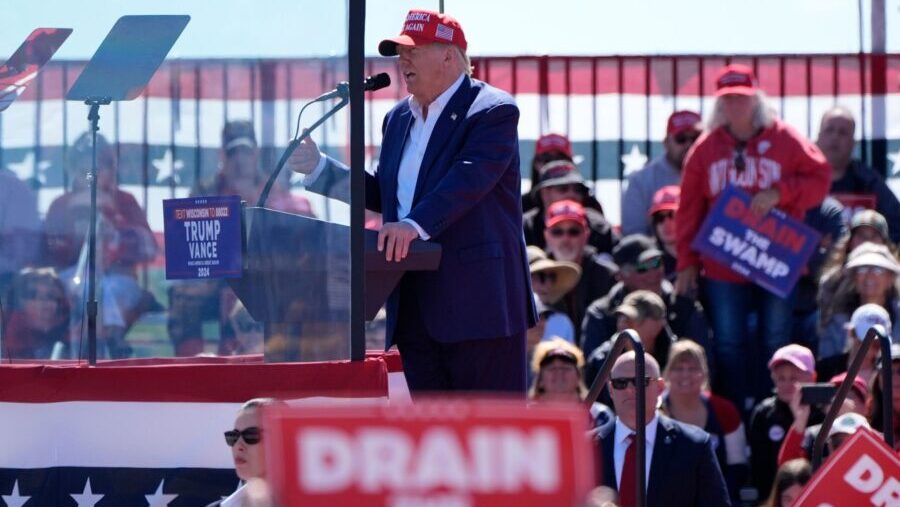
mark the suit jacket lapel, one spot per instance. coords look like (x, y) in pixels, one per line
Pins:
(663, 454)
(451, 117)
(607, 446)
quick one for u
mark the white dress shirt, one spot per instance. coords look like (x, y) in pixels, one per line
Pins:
(621, 435)
(413, 152)
(237, 498)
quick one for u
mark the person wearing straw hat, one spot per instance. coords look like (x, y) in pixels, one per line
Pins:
(551, 280)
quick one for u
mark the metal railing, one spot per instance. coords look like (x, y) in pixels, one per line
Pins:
(875, 332)
(622, 339)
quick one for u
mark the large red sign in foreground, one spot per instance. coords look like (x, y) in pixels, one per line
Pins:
(447, 453)
(863, 472)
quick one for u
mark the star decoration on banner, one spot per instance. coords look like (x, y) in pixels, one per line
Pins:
(168, 167)
(27, 169)
(14, 499)
(158, 499)
(634, 160)
(87, 498)
(895, 159)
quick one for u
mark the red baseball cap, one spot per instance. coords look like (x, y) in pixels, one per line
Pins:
(665, 199)
(549, 143)
(425, 27)
(561, 211)
(859, 384)
(681, 121)
(736, 79)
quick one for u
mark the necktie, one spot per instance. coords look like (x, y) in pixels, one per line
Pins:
(627, 482)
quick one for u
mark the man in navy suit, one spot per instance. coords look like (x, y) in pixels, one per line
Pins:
(680, 461)
(448, 173)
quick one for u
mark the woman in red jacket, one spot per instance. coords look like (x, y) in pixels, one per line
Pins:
(747, 147)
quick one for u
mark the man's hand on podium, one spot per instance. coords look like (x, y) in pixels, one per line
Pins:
(305, 157)
(396, 236)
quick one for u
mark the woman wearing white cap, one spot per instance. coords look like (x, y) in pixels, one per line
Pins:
(874, 271)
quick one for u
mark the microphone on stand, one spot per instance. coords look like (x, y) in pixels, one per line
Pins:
(342, 90)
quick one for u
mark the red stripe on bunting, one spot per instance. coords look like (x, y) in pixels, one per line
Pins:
(174, 382)
(240, 79)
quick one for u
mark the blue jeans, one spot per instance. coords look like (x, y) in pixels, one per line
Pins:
(743, 349)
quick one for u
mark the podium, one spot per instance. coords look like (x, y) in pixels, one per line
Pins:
(296, 281)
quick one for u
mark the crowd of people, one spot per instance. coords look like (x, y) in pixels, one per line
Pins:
(44, 262)
(725, 357)
(724, 354)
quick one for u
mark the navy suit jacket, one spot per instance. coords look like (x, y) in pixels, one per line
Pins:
(684, 470)
(468, 200)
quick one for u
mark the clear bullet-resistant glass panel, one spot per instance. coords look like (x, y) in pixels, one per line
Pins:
(214, 120)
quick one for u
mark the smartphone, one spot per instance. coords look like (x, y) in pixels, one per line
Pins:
(817, 394)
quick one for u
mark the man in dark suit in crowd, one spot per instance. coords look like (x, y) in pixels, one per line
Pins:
(448, 172)
(680, 462)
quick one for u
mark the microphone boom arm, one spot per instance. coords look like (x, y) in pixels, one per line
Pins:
(263, 197)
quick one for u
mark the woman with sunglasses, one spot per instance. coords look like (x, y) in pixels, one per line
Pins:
(749, 148)
(245, 441)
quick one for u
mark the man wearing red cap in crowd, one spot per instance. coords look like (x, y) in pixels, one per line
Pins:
(662, 219)
(567, 235)
(560, 180)
(747, 147)
(682, 130)
(449, 173)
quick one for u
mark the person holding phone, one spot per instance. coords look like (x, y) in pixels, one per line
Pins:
(798, 442)
(789, 367)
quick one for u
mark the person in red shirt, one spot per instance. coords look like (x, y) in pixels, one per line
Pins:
(747, 147)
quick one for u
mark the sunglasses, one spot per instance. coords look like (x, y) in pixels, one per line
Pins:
(620, 384)
(648, 265)
(685, 139)
(661, 216)
(544, 277)
(739, 163)
(572, 232)
(251, 436)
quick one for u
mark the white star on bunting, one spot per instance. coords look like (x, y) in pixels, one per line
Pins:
(895, 159)
(167, 167)
(158, 499)
(634, 160)
(14, 499)
(26, 169)
(87, 498)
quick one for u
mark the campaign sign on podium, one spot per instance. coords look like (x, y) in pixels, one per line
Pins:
(203, 237)
(453, 452)
(770, 250)
(863, 472)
